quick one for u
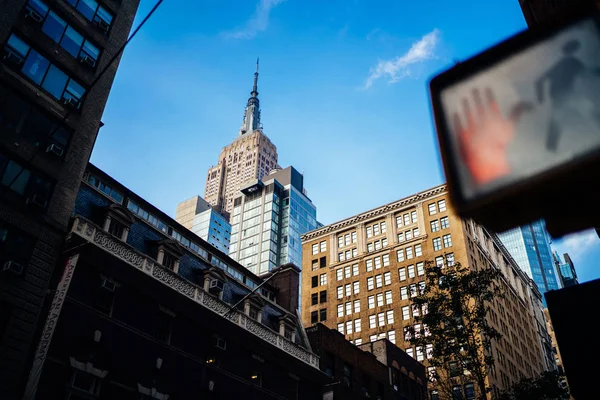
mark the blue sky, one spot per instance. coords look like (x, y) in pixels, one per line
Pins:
(343, 90)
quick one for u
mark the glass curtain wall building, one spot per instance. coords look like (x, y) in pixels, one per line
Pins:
(566, 269)
(529, 245)
(267, 220)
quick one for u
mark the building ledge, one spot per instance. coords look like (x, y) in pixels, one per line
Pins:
(98, 237)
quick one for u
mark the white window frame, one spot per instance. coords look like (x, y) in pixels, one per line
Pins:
(405, 313)
(370, 283)
(404, 293)
(371, 301)
(388, 297)
(315, 249)
(387, 278)
(378, 281)
(402, 274)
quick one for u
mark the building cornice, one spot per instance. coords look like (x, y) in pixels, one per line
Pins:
(98, 237)
(376, 212)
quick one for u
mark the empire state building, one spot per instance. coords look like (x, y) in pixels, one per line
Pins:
(250, 156)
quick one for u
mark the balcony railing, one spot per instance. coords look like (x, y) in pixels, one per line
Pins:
(95, 235)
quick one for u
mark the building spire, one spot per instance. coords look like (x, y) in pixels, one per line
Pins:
(252, 113)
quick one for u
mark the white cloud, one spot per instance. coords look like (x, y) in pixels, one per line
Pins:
(578, 244)
(258, 22)
(399, 67)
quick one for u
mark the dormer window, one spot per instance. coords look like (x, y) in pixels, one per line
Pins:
(169, 253)
(214, 281)
(117, 221)
(253, 307)
(287, 327)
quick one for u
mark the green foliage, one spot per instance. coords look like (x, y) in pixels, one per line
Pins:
(548, 386)
(454, 305)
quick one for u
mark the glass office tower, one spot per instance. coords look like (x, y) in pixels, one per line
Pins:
(198, 215)
(267, 220)
(529, 245)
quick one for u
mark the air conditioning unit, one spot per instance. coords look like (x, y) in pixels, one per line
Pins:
(70, 102)
(220, 343)
(102, 25)
(55, 149)
(12, 268)
(33, 15)
(13, 57)
(216, 286)
(37, 200)
(108, 285)
(85, 59)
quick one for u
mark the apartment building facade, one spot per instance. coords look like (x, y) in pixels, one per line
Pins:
(52, 52)
(360, 273)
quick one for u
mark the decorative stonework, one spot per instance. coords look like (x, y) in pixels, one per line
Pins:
(398, 205)
(117, 248)
(96, 235)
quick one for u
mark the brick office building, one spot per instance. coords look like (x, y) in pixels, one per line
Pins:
(52, 50)
(360, 273)
(142, 312)
(377, 370)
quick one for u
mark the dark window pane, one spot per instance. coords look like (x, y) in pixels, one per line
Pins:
(13, 112)
(104, 15)
(74, 90)
(15, 176)
(18, 45)
(72, 41)
(37, 125)
(72, 2)
(91, 50)
(35, 66)
(54, 26)
(39, 6)
(60, 136)
(87, 8)
(55, 82)
(40, 187)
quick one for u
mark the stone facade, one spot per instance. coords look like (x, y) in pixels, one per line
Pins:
(358, 274)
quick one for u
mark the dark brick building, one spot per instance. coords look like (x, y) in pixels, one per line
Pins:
(52, 50)
(377, 370)
(142, 311)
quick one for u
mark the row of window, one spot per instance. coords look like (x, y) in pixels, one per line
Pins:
(378, 299)
(437, 242)
(347, 272)
(348, 308)
(414, 289)
(348, 290)
(439, 260)
(391, 336)
(40, 71)
(346, 239)
(443, 223)
(412, 271)
(319, 248)
(319, 280)
(418, 330)
(349, 327)
(409, 252)
(348, 254)
(24, 183)
(320, 315)
(377, 245)
(378, 281)
(381, 319)
(376, 229)
(377, 262)
(434, 208)
(64, 34)
(93, 12)
(317, 298)
(406, 219)
(420, 354)
(406, 311)
(408, 235)
(319, 263)
(29, 121)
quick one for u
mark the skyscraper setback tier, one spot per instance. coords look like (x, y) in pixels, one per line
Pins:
(50, 114)
(359, 275)
(529, 245)
(250, 156)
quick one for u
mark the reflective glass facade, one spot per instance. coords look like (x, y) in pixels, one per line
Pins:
(529, 245)
(566, 269)
(197, 215)
(267, 221)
